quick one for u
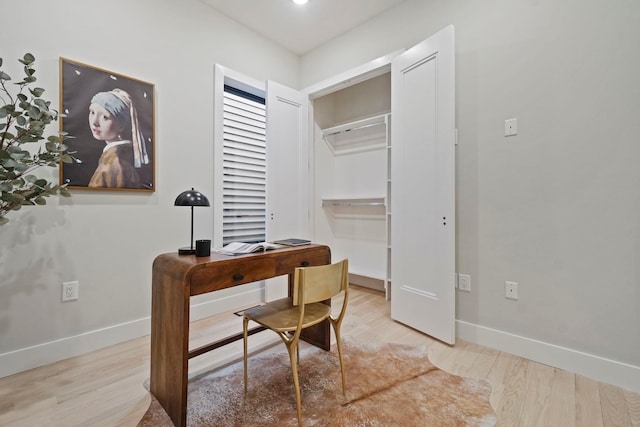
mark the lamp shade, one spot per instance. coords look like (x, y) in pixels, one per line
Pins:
(191, 198)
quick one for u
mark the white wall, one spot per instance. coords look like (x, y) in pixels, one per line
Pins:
(108, 240)
(555, 208)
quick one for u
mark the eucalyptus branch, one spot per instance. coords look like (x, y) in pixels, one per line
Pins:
(26, 116)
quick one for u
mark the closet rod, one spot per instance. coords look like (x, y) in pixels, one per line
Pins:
(352, 203)
(353, 128)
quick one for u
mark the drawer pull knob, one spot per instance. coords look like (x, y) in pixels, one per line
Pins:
(305, 263)
(238, 276)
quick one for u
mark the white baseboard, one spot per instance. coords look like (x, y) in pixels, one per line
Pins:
(27, 358)
(598, 368)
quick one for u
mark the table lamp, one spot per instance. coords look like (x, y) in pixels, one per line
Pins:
(190, 198)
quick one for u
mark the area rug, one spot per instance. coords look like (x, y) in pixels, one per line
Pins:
(387, 385)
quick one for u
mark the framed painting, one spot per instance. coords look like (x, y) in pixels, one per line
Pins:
(110, 118)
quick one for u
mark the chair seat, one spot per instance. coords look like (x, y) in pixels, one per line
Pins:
(282, 316)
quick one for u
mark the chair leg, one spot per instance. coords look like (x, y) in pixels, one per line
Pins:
(336, 330)
(245, 325)
(292, 348)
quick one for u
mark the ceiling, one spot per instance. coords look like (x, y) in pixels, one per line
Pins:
(301, 28)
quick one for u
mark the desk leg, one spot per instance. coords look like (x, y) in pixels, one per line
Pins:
(170, 345)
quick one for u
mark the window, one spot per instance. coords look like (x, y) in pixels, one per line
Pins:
(244, 166)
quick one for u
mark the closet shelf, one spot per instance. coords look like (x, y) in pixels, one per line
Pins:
(373, 201)
(360, 135)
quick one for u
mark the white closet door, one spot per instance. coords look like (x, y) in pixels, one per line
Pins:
(287, 171)
(423, 187)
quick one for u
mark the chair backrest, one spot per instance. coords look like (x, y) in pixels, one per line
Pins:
(321, 282)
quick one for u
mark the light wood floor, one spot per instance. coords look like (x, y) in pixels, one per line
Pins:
(105, 388)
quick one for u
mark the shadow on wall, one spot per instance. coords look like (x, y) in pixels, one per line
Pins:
(26, 257)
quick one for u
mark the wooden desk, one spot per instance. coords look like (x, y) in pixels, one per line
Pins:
(176, 278)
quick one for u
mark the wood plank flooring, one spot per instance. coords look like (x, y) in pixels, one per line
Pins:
(105, 387)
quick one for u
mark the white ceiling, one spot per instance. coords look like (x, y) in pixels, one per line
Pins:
(300, 28)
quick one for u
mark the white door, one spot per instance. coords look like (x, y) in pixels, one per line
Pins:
(423, 187)
(287, 171)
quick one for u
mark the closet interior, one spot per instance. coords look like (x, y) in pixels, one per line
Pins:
(352, 171)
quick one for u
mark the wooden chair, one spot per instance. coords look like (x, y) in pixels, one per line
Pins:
(288, 318)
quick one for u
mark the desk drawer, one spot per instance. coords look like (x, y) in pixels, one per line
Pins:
(226, 275)
(286, 265)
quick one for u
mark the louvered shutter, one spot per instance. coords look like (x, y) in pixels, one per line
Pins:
(244, 167)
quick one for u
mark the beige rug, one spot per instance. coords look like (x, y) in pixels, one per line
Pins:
(387, 385)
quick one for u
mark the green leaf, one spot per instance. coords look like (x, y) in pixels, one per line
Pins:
(66, 158)
(40, 200)
(7, 135)
(34, 112)
(4, 76)
(19, 155)
(28, 58)
(30, 71)
(42, 104)
(9, 163)
(36, 91)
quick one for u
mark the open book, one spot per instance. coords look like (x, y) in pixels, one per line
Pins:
(237, 248)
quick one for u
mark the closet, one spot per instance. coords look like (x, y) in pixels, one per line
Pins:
(382, 158)
(351, 178)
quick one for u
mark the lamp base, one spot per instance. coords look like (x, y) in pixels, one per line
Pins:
(187, 251)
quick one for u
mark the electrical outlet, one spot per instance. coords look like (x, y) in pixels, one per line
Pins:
(511, 290)
(464, 282)
(510, 127)
(69, 291)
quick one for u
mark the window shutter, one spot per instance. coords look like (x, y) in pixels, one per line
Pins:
(244, 166)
